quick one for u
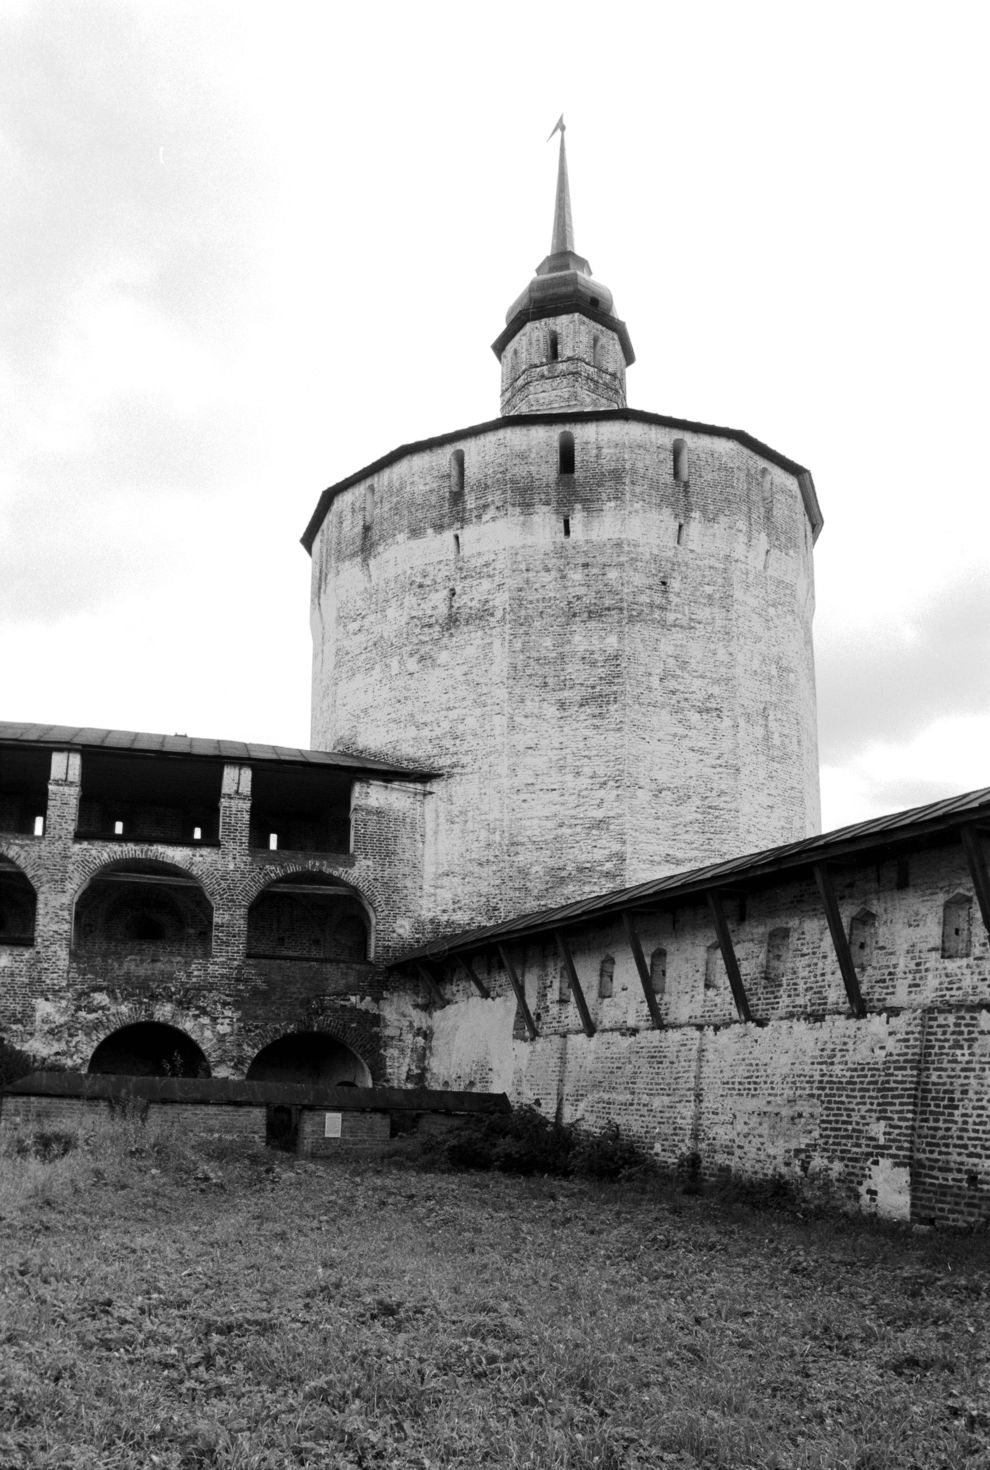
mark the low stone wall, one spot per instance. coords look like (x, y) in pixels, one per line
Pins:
(326, 1134)
(27, 1115)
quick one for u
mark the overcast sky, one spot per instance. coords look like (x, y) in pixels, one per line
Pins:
(248, 248)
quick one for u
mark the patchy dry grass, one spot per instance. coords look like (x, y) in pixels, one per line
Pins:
(163, 1308)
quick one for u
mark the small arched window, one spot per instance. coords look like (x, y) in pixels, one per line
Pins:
(596, 350)
(553, 345)
(457, 474)
(369, 507)
(658, 971)
(713, 966)
(681, 467)
(565, 453)
(606, 977)
(957, 927)
(862, 932)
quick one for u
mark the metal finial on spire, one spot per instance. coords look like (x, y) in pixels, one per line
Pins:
(563, 228)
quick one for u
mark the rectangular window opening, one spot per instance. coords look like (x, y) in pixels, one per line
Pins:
(118, 829)
(39, 826)
(273, 842)
(567, 525)
(197, 834)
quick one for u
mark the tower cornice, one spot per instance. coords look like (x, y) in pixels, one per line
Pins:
(526, 421)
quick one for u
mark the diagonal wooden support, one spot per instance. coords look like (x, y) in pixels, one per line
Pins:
(574, 982)
(977, 864)
(728, 955)
(520, 992)
(840, 943)
(645, 979)
(468, 969)
(430, 981)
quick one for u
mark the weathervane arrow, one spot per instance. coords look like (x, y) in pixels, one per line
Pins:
(558, 126)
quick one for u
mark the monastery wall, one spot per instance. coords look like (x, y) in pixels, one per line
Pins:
(611, 665)
(890, 1113)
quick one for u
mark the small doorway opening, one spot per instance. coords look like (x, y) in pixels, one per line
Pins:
(282, 1127)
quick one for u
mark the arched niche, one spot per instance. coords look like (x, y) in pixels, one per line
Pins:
(144, 905)
(18, 905)
(308, 916)
(311, 1058)
(149, 1049)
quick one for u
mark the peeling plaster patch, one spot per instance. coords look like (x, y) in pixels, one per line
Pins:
(472, 1045)
(886, 1191)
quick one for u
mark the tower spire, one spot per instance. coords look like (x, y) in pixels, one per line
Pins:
(563, 347)
(563, 227)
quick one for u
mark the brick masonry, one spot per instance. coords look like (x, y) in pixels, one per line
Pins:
(612, 667)
(61, 996)
(889, 1114)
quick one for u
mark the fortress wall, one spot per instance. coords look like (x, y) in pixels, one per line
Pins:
(612, 668)
(891, 1113)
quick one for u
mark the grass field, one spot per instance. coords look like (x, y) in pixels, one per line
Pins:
(162, 1308)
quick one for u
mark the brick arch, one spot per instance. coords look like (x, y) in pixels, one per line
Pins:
(269, 876)
(94, 864)
(18, 905)
(358, 1030)
(27, 861)
(136, 1013)
(181, 917)
(160, 1048)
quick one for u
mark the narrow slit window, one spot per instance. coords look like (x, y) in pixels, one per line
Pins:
(658, 971)
(862, 934)
(567, 527)
(118, 829)
(369, 507)
(606, 977)
(457, 474)
(778, 954)
(680, 456)
(565, 453)
(957, 927)
(39, 826)
(457, 544)
(273, 842)
(680, 533)
(553, 346)
(197, 834)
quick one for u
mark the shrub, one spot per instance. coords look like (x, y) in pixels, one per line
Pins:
(520, 1142)
(608, 1155)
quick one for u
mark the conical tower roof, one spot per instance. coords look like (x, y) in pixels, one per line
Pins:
(563, 282)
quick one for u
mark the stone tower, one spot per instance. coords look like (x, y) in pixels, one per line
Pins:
(593, 622)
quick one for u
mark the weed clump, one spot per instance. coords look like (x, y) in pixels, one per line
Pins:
(526, 1142)
(47, 1145)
